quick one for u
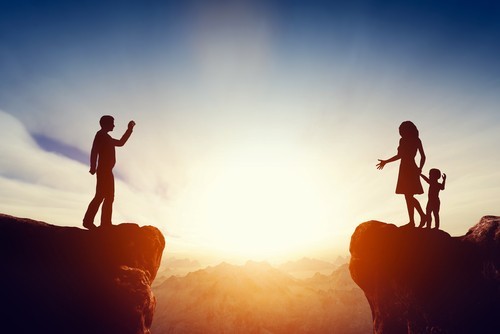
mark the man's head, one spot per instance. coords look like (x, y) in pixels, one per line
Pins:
(107, 123)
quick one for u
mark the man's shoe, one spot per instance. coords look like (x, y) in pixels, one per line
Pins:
(89, 225)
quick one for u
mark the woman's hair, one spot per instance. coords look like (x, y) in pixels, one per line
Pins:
(408, 130)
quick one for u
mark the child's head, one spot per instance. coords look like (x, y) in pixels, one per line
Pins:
(408, 130)
(434, 174)
(107, 122)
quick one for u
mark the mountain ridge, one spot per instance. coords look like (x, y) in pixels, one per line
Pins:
(259, 298)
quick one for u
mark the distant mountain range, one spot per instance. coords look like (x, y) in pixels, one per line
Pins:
(302, 268)
(258, 298)
(172, 266)
(307, 264)
(307, 267)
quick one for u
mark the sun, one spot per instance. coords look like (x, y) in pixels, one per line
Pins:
(257, 205)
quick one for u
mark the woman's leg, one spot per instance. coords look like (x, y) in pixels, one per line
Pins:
(410, 205)
(423, 216)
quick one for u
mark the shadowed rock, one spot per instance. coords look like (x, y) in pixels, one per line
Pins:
(69, 280)
(424, 281)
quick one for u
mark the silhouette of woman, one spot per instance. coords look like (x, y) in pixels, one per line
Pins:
(409, 174)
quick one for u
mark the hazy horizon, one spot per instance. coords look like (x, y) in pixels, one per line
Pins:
(259, 123)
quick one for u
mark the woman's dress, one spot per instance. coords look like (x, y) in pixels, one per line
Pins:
(409, 174)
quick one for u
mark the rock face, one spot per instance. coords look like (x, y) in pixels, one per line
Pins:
(424, 281)
(69, 280)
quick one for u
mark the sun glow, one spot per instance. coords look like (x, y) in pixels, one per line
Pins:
(262, 203)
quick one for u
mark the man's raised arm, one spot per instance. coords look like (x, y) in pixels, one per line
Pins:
(126, 135)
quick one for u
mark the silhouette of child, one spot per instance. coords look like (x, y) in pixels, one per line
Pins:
(433, 203)
(102, 161)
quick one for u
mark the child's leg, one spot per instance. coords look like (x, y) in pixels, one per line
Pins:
(436, 218)
(428, 211)
(436, 214)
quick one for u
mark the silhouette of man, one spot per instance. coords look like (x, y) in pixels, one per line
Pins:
(433, 203)
(102, 161)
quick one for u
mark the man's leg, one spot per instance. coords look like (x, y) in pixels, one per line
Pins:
(109, 197)
(88, 219)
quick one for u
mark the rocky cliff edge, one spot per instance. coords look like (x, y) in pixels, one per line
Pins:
(69, 280)
(425, 281)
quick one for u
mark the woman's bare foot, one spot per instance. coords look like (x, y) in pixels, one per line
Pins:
(423, 220)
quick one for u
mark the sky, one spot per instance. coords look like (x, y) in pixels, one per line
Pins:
(259, 123)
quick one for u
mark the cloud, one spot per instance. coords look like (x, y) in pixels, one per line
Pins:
(239, 83)
(35, 180)
(24, 160)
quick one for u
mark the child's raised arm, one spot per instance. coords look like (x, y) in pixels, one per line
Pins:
(444, 181)
(426, 179)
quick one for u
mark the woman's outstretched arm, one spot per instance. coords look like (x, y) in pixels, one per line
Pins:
(382, 163)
